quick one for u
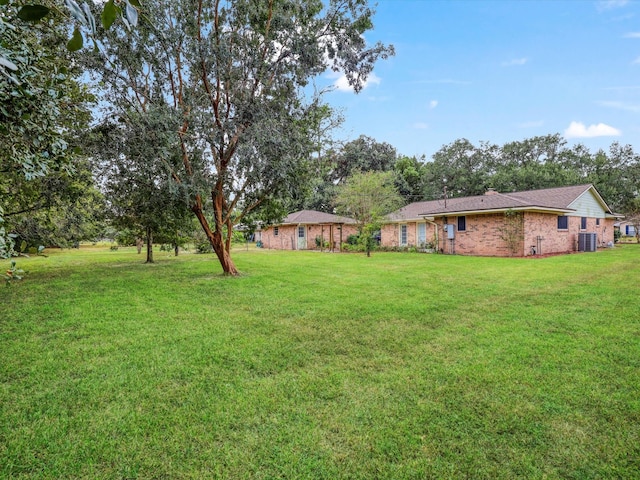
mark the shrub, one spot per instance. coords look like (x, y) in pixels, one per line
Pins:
(204, 247)
(353, 239)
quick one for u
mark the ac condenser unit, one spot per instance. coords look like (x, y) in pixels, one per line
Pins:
(587, 242)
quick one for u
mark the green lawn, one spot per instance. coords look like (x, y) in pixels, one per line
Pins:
(318, 365)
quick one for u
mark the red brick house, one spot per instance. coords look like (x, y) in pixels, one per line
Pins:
(534, 222)
(309, 229)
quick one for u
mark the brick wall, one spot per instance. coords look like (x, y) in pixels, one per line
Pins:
(483, 236)
(287, 238)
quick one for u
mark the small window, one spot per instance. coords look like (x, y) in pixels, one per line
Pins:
(597, 222)
(403, 234)
(462, 224)
(300, 232)
(275, 231)
(583, 223)
(563, 223)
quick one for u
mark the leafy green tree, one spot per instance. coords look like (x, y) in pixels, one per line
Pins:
(367, 197)
(59, 209)
(461, 167)
(134, 154)
(532, 164)
(363, 154)
(410, 178)
(236, 72)
(42, 109)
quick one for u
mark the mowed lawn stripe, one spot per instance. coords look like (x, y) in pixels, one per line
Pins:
(317, 365)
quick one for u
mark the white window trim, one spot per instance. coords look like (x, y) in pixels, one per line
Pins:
(406, 233)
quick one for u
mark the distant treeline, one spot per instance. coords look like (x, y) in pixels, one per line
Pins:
(466, 169)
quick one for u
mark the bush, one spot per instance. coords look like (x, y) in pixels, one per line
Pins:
(347, 247)
(204, 247)
(353, 239)
(319, 242)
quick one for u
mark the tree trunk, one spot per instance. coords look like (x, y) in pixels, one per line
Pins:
(149, 245)
(216, 241)
(175, 249)
(139, 244)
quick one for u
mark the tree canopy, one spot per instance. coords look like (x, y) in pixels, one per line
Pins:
(237, 73)
(43, 109)
(367, 197)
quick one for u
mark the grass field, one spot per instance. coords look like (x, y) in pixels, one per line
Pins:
(318, 365)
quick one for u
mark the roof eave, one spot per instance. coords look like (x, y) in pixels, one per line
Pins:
(533, 209)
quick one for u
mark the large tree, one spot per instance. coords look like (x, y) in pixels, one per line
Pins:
(410, 178)
(460, 168)
(238, 73)
(363, 154)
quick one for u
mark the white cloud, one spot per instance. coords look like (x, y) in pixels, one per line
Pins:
(604, 5)
(421, 126)
(580, 130)
(433, 104)
(515, 62)
(636, 61)
(632, 35)
(621, 106)
(342, 83)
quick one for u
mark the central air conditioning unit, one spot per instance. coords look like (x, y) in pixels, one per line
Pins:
(587, 242)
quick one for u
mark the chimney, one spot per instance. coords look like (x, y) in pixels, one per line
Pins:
(490, 191)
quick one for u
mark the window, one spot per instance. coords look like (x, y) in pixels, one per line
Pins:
(300, 232)
(583, 223)
(462, 224)
(563, 223)
(403, 234)
(422, 233)
(597, 222)
(275, 231)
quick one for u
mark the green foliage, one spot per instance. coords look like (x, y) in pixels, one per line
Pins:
(410, 177)
(13, 274)
(43, 110)
(353, 239)
(33, 13)
(367, 197)
(320, 243)
(512, 231)
(242, 121)
(203, 247)
(363, 154)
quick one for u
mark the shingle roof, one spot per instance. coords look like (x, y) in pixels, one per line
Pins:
(548, 199)
(313, 217)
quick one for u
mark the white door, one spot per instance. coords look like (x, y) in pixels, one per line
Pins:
(302, 238)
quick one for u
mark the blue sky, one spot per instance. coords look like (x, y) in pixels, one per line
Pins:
(499, 71)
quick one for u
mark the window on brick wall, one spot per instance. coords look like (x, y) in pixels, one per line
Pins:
(583, 223)
(597, 222)
(422, 234)
(275, 231)
(462, 224)
(403, 235)
(563, 222)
